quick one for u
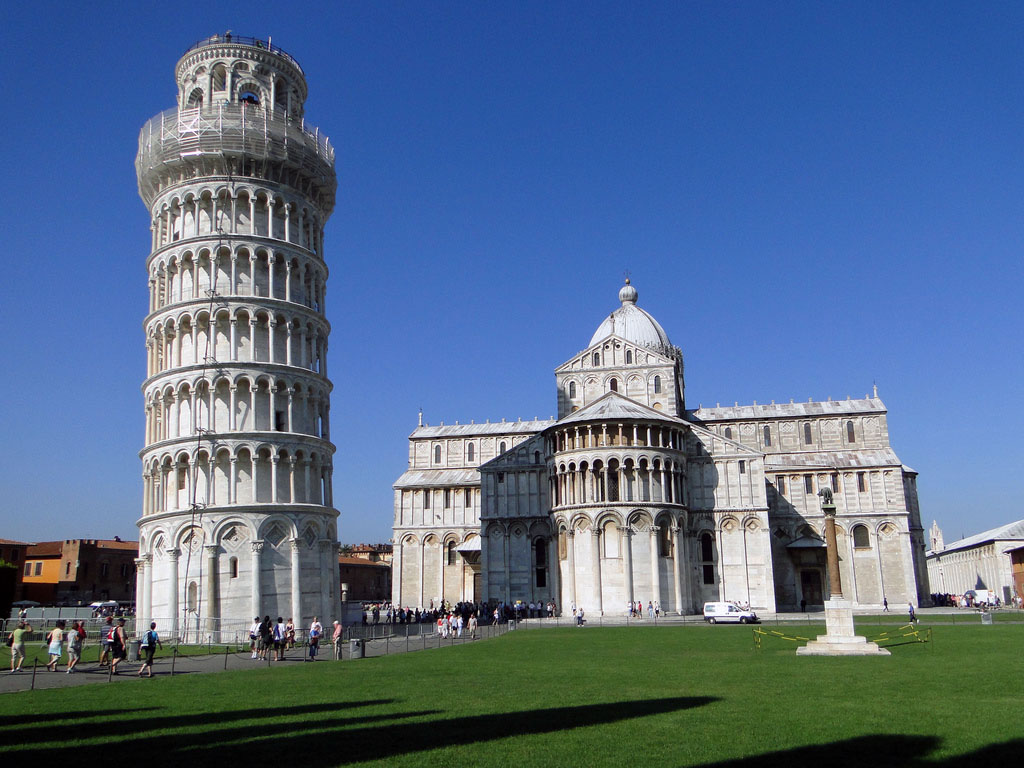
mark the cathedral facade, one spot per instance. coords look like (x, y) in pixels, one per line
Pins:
(629, 496)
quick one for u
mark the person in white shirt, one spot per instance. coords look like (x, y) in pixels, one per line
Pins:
(316, 631)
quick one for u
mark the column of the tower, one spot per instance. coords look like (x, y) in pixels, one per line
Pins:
(239, 188)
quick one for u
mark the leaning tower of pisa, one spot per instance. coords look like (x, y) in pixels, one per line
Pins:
(237, 517)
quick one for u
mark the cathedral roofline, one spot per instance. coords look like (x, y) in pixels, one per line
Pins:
(612, 405)
(487, 428)
(789, 410)
(826, 460)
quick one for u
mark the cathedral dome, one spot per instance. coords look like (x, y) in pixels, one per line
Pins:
(633, 324)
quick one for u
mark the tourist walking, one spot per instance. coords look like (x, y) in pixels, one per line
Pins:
(885, 604)
(150, 641)
(280, 639)
(76, 642)
(254, 634)
(339, 632)
(17, 642)
(118, 646)
(55, 638)
(316, 629)
(913, 616)
(106, 633)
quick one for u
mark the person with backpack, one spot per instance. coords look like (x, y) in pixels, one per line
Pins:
(150, 641)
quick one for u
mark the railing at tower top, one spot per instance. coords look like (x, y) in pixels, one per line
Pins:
(255, 42)
(232, 130)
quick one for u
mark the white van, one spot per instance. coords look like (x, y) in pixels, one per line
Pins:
(728, 612)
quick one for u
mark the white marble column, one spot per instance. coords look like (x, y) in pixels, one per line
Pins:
(676, 569)
(212, 551)
(570, 552)
(172, 591)
(595, 567)
(297, 583)
(655, 572)
(257, 572)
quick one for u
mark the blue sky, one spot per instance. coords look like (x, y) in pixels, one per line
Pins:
(811, 198)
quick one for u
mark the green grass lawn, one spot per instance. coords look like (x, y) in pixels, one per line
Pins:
(658, 696)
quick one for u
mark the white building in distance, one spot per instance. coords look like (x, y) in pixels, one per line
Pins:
(630, 496)
(237, 518)
(988, 560)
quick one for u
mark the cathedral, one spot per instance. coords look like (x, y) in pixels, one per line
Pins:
(629, 496)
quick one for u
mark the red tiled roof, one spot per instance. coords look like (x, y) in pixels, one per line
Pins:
(45, 549)
(342, 560)
(19, 543)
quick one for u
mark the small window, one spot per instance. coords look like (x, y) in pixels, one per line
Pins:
(780, 483)
(280, 422)
(707, 551)
(743, 467)
(502, 447)
(861, 484)
(426, 499)
(861, 540)
(447, 498)
(451, 553)
(807, 434)
(835, 483)
(501, 477)
(437, 454)
(542, 577)
(471, 452)
(613, 385)
(597, 358)
(467, 499)
(767, 437)
(808, 484)
(233, 566)
(709, 574)
(572, 390)
(536, 457)
(67, 568)
(181, 478)
(850, 437)
(28, 569)
(728, 433)
(629, 357)
(657, 385)
(39, 569)
(104, 569)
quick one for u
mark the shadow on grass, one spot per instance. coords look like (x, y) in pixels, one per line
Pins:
(331, 740)
(37, 727)
(12, 720)
(880, 751)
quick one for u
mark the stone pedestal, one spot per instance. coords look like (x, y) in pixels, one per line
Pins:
(839, 639)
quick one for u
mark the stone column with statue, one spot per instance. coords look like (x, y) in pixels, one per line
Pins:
(839, 638)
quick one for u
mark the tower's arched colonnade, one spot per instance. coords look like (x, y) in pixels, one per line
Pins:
(237, 516)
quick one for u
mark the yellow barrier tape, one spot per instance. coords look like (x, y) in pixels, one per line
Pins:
(773, 633)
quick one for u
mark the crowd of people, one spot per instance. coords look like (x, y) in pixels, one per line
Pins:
(113, 645)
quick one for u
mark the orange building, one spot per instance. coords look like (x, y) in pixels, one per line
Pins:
(364, 580)
(80, 571)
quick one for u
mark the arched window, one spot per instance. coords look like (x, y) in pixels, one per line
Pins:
(850, 437)
(657, 385)
(471, 452)
(572, 390)
(501, 447)
(540, 556)
(233, 565)
(743, 467)
(861, 540)
(728, 433)
(437, 454)
(613, 385)
(767, 437)
(808, 484)
(664, 541)
(780, 484)
(707, 556)
(807, 433)
(629, 357)
(597, 358)
(536, 457)
(192, 597)
(451, 553)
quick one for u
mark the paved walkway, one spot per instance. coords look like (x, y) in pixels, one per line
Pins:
(167, 663)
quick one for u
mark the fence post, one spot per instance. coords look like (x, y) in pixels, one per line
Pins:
(35, 664)
(227, 652)
(174, 658)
